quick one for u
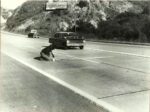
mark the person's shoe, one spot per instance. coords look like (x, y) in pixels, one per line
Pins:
(53, 59)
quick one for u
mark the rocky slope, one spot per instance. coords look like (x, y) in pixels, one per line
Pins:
(92, 16)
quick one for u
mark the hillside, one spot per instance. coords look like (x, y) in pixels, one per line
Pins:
(115, 20)
(5, 14)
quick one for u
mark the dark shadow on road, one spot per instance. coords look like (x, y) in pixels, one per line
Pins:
(61, 48)
(37, 58)
(68, 48)
(44, 46)
(40, 58)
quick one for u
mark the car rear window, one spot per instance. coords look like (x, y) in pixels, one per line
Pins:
(69, 34)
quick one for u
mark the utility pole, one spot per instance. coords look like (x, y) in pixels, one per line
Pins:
(76, 12)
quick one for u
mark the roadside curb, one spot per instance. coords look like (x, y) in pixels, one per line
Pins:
(119, 42)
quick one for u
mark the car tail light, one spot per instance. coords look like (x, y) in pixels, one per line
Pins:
(68, 41)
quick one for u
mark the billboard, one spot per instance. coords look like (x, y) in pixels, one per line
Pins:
(56, 5)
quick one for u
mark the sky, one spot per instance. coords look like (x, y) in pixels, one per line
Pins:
(11, 4)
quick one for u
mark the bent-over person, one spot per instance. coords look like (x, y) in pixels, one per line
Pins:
(46, 53)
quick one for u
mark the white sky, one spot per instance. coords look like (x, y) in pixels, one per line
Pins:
(11, 4)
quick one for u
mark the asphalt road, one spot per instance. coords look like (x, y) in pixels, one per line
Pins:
(25, 90)
(112, 75)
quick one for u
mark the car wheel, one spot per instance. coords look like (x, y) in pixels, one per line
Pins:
(81, 47)
(65, 47)
(28, 35)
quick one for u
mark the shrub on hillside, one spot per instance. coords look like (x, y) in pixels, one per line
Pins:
(146, 10)
(85, 27)
(109, 30)
(127, 27)
(83, 3)
(146, 30)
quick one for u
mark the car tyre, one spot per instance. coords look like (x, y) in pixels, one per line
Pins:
(65, 47)
(81, 47)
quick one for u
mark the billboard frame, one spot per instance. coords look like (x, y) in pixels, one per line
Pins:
(57, 6)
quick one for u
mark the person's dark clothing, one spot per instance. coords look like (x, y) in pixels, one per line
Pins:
(48, 50)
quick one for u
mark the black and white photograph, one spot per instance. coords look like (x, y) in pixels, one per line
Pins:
(75, 56)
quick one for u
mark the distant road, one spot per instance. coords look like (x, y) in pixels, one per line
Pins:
(114, 76)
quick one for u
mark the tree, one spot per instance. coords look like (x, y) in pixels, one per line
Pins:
(82, 4)
(146, 10)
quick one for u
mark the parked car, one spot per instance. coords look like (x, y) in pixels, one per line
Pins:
(67, 39)
(33, 34)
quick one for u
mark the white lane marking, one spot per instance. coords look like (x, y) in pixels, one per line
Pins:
(78, 58)
(88, 59)
(99, 102)
(138, 55)
(147, 45)
(124, 67)
(100, 57)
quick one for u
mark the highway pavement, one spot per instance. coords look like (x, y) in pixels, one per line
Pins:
(116, 77)
(25, 90)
